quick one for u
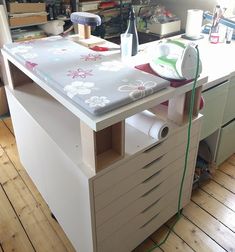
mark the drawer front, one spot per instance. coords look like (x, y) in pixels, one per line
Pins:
(141, 226)
(146, 230)
(152, 202)
(108, 180)
(213, 110)
(141, 197)
(226, 145)
(229, 111)
(158, 166)
(125, 185)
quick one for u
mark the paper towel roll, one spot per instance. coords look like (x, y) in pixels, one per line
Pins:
(5, 35)
(149, 124)
(194, 23)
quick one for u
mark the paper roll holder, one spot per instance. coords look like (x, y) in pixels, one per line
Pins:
(195, 37)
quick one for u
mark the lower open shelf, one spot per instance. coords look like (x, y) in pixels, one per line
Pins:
(122, 141)
(63, 127)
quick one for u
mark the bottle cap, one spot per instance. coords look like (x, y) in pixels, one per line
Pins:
(132, 13)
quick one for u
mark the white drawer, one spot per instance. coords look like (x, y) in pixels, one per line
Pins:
(145, 231)
(154, 199)
(141, 226)
(109, 179)
(135, 201)
(159, 165)
(226, 146)
(229, 111)
(213, 110)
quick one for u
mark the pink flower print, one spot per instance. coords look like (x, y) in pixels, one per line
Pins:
(138, 89)
(32, 41)
(30, 65)
(91, 57)
(79, 73)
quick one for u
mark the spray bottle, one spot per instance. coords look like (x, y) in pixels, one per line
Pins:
(132, 29)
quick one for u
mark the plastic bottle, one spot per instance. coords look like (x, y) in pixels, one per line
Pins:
(229, 34)
(214, 34)
(50, 10)
(131, 28)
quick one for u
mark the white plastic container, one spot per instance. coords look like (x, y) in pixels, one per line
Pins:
(166, 28)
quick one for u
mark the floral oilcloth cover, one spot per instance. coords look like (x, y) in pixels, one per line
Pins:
(98, 83)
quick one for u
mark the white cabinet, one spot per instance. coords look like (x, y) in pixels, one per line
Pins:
(218, 125)
(97, 211)
(226, 146)
(110, 209)
(213, 111)
(229, 111)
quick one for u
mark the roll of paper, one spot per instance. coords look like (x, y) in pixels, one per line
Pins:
(149, 124)
(194, 23)
(5, 35)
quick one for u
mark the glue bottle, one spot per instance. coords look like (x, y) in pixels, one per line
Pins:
(229, 34)
(132, 29)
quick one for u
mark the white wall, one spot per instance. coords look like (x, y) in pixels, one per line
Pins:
(180, 7)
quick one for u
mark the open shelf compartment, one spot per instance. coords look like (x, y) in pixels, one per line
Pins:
(102, 148)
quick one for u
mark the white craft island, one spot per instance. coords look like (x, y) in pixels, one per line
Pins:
(108, 184)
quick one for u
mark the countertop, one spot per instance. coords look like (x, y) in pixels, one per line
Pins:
(217, 59)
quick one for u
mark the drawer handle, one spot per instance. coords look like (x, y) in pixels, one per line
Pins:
(155, 146)
(153, 176)
(154, 217)
(151, 190)
(154, 203)
(154, 161)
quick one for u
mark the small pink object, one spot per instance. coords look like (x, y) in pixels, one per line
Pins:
(30, 65)
(214, 38)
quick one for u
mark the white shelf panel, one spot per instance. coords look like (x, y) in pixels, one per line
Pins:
(59, 123)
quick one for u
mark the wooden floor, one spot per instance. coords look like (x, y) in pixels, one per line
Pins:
(207, 224)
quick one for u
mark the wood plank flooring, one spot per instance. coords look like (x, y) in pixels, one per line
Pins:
(207, 223)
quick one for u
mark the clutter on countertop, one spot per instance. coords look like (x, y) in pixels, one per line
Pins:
(221, 26)
(217, 33)
(54, 27)
(157, 19)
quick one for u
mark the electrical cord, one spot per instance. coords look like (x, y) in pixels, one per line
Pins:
(179, 211)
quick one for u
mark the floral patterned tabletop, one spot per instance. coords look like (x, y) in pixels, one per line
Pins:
(96, 82)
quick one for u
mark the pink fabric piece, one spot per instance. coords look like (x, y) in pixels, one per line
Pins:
(174, 83)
